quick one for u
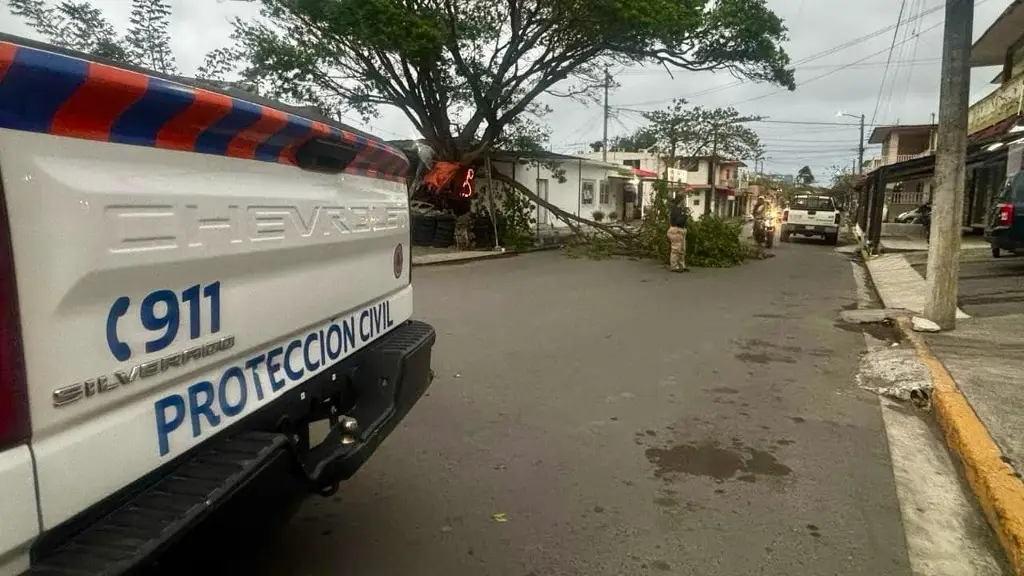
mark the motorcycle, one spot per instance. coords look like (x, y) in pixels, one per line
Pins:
(764, 230)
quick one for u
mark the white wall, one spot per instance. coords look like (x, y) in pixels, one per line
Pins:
(565, 195)
(647, 160)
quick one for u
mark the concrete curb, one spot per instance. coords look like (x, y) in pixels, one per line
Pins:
(484, 256)
(994, 482)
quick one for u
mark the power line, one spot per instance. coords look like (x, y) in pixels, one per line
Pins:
(811, 58)
(899, 18)
(820, 76)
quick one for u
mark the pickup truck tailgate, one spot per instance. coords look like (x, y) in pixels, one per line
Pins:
(176, 268)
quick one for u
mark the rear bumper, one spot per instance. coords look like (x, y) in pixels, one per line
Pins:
(376, 387)
(817, 230)
(1000, 238)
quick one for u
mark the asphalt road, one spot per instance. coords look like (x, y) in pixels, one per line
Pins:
(987, 286)
(610, 418)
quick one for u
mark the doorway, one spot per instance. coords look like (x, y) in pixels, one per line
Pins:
(542, 212)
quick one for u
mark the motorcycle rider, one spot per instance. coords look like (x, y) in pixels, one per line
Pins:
(759, 213)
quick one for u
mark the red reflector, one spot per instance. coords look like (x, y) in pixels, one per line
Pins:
(1006, 214)
(399, 261)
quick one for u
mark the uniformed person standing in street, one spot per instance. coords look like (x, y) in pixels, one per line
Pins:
(677, 236)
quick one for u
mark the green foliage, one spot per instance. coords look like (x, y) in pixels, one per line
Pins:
(147, 43)
(711, 241)
(699, 131)
(613, 216)
(714, 242)
(641, 139)
(517, 218)
(805, 176)
(597, 215)
(593, 246)
(462, 72)
(73, 25)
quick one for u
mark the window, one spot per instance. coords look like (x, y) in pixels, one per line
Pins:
(587, 192)
(693, 166)
(604, 192)
(696, 201)
(812, 203)
(631, 163)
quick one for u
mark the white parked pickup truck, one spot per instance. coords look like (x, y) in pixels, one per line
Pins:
(189, 279)
(811, 215)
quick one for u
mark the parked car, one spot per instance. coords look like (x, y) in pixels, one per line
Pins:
(811, 215)
(912, 216)
(1005, 229)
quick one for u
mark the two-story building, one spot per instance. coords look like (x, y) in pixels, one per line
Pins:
(993, 120)
(899, 144)
(995, 135)
(720, 193)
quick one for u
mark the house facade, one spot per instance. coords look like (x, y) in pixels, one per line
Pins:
(577, 185)
(713, 185)
(901, 143)
(997, 117)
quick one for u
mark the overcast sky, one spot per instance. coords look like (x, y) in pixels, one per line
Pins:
(850, 78)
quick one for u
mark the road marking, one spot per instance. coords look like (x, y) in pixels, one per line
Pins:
(946, 535)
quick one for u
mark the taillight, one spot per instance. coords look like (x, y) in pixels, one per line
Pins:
(14, 417)
(1005, 214)
(785, 215)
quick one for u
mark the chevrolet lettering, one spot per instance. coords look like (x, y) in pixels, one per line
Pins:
(106, 383)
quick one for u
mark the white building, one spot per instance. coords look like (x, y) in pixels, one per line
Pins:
(577, 185)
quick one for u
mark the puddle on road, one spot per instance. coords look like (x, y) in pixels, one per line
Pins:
(713, 461)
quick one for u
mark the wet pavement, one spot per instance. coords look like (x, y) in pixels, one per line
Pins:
(609, 418)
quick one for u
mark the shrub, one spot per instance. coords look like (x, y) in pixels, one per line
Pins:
(613, 216)
(711, 242)
(597, 215)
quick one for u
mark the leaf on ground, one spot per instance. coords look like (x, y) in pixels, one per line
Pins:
(499, 517)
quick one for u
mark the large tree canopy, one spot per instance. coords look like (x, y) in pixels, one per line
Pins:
(463, 70)
(687, 132)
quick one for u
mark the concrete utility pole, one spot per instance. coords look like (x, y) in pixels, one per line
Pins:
(950, 165)
(860, 148)
(604, 148)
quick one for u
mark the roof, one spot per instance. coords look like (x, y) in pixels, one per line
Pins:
(990, 49)
(881, 133)
(641, 173)
(722, 160)
(993, 132)
(514, 155)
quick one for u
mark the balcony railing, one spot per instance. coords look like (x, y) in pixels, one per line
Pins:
(903, 158)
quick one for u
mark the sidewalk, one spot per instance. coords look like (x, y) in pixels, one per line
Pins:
(430, 256)
(977, 397)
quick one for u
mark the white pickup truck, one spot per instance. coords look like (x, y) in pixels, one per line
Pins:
(189, 279)
(811, 215)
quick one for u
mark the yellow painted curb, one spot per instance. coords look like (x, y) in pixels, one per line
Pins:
(998, 489)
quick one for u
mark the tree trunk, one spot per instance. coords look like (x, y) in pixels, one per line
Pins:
(569, 218)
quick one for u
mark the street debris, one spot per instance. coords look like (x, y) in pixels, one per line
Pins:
(869, 315)
(500, 517)
(896, 372)
(924, 325)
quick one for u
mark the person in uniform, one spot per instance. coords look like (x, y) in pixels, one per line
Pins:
(677, 236)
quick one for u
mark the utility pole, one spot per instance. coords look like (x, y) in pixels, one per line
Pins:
(950, 165)
(604, 147)
(860, 147)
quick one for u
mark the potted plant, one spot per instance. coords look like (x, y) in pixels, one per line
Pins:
(597, 215)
